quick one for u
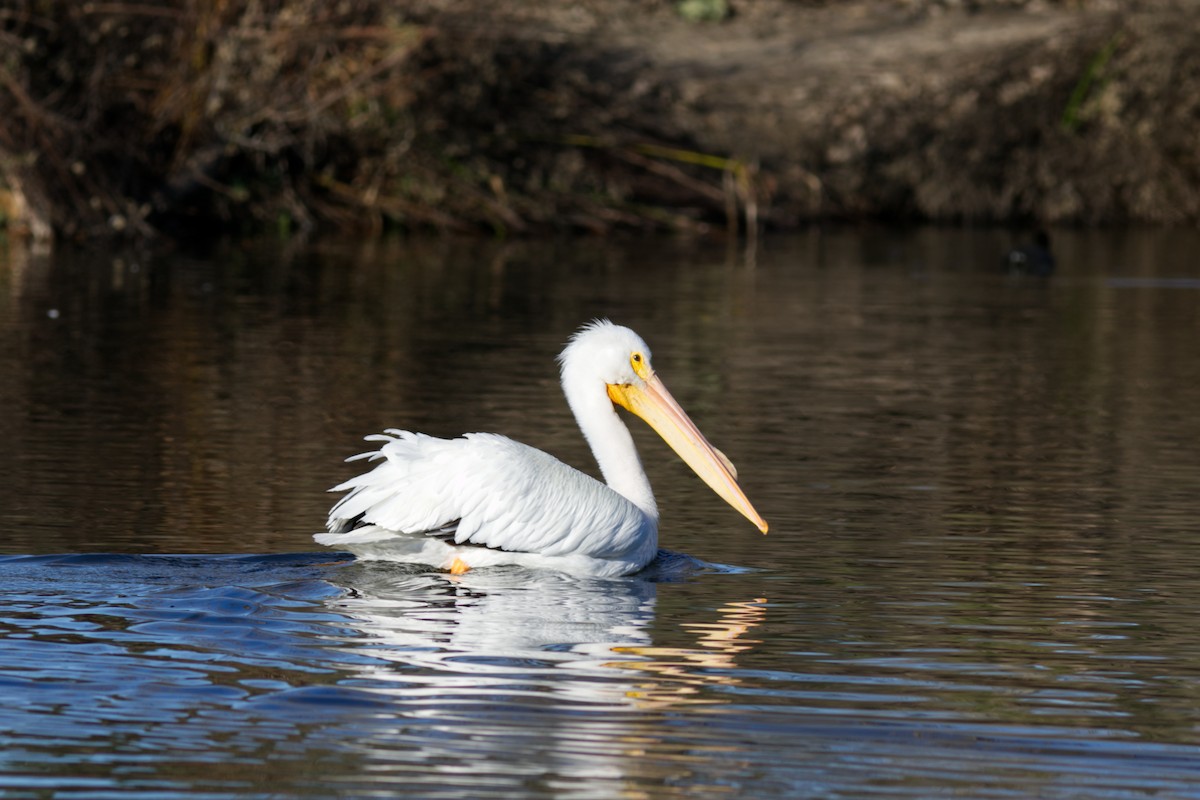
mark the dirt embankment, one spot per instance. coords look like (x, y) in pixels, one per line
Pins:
(135, 119)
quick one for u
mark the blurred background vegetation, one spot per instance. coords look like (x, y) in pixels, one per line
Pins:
(186, 118)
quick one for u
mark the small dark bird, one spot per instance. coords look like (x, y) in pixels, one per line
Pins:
(1031, 259)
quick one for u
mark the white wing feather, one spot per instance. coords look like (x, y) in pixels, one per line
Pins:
(498, 492)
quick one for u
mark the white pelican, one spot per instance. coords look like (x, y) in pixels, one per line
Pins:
(484, 500)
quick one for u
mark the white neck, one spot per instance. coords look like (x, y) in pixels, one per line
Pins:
(611, 444)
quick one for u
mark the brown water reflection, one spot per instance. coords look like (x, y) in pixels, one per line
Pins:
(878, 381)
(983, 490)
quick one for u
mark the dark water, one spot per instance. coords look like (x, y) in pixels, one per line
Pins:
(980, 579)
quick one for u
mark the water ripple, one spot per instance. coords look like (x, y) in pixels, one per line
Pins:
(135, 675)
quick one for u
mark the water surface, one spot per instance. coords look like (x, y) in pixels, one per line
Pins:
(980, 576)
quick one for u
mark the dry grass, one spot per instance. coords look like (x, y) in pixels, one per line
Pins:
(183, 117)
(130, 116)
(194, 117)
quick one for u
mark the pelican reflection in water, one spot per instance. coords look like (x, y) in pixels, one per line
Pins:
(538, 634)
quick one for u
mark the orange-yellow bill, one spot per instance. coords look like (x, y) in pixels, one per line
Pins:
(652, 402)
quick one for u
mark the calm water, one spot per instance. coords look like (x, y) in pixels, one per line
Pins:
(981, 577)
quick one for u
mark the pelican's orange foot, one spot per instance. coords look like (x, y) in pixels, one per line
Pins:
(458, 567)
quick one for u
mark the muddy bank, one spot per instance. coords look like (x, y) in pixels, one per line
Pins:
(188, 118)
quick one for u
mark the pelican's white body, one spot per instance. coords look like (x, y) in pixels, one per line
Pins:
(513, 504)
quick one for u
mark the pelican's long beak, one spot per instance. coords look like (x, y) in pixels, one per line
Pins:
(652, 402)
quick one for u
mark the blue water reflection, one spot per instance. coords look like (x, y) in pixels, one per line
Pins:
(173, 662)
(217, 676)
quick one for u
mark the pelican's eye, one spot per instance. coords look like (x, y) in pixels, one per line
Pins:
(637, 360)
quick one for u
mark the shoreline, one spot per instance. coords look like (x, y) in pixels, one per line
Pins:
(596, 117)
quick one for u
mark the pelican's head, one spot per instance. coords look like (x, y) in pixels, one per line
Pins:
(602, 354)
(606, 353)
